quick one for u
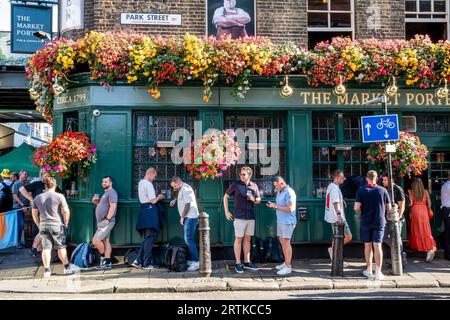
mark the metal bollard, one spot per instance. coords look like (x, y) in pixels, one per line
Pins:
(205, 248)
(337, 263)
(394, 233)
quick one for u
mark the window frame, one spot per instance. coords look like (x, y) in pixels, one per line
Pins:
(417, 13)
(329, 12)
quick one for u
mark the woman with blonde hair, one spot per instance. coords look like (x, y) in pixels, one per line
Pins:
(420, 237)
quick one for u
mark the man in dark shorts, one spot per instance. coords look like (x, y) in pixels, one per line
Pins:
(372, 201)
(48, 207)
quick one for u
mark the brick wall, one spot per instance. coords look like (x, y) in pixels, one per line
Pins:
(380, 19)
(281, 20)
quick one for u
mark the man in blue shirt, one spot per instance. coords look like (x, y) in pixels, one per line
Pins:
(372, 201)
(286, 221)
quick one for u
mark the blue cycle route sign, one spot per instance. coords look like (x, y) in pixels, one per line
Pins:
(380, 128)
(24, 21)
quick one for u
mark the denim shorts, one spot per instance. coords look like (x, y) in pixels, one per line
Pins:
(53, 236)
(371, 234)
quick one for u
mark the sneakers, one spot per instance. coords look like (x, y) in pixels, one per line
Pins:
(280, 266)
(250, 266)
(136, 264)
(368, 274)
(330, 252)
(285, 271)
(71, 269)
(239, 268)
(47, 273)
(379, 276)
(104, 266)
(194, 266)
(149, 267)
(430, 256)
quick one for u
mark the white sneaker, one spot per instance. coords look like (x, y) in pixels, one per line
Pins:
(72, 269)
(194, 266)
(367, 274)
(280, 266)
(330, 252)
(379, 276)
(430, 256)
(286, 270)
(47, 274)
(189, 262)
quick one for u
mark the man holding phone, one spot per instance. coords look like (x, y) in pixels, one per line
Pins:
(246, 195)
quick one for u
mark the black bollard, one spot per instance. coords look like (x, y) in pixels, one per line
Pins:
(205, 248)
(337, 262)
(394, 233)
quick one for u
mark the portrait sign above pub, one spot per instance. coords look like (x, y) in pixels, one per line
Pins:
(234, 17)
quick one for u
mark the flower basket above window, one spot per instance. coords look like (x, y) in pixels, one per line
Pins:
(64, 153)
(409, 159)
(212, 154)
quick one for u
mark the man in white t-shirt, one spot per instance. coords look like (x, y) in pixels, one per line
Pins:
(188, 210)
(334, 207)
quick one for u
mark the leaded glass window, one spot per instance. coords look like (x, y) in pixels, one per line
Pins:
(150, 128)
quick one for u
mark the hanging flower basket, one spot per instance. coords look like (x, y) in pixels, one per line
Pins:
(64, 153)
(409, 159)
(212, 154)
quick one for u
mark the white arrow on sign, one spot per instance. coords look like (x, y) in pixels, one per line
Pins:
(386, 135)
(368, 126)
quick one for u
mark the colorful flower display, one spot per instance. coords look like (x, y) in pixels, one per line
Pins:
(152, 61)
(409, 159)
(212, 154)
(65, 152)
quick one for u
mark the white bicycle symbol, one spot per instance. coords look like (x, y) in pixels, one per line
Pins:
(385, 123)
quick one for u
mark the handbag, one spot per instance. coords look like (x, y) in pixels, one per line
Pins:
(430, 213)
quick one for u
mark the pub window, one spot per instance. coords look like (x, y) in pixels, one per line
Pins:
(149, 129)
(342, 149)
(433, 123)
(328, 19)
(427, 17)
(266, 121)
(70, 184)
(439, 166)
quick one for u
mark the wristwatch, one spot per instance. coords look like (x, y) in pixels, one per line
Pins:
(276, 207)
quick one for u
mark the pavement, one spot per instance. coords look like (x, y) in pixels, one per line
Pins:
(20, 274)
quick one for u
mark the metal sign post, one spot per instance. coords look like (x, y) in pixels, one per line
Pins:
(392, 217)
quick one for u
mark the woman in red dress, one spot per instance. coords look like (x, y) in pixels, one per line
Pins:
(420, 237)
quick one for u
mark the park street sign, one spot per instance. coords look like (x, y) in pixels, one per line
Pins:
(151, 18)
(380, 128)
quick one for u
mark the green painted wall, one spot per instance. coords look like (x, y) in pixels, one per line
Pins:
(112, 133)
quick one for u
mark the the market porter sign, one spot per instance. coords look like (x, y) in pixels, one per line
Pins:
(151, 18)
(359, 97)
(25, 20)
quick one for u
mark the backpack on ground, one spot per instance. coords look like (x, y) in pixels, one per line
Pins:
(6, 199)
(273, 250)
(176, 258)
(257, 250)
(159, 255)
(130, 256)
(83, 255)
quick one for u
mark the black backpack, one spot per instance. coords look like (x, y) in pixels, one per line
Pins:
(159, 255)
(6, 200)
(274, 252)
(130, 256)
(176, 258)
(257, 250)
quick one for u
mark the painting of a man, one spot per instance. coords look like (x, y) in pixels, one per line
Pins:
(229, 19)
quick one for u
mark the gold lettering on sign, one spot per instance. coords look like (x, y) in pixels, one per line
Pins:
(343, 99)
(430, 99)
(316, 97)
(327, 98)
(409, 98)
(75, 98)
(355, 100)
(305, 96)
(364, 97)
(420, 99)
